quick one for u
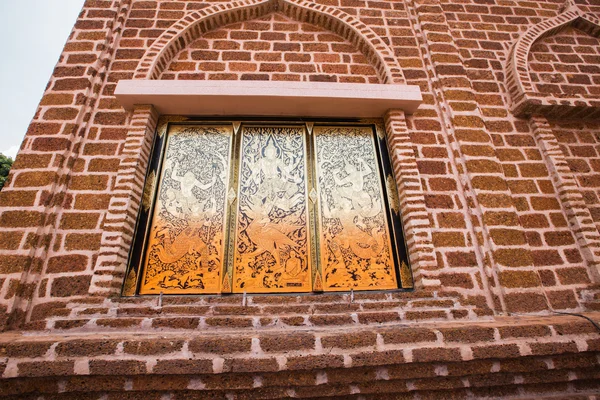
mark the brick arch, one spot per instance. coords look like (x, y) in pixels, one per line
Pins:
(526, 100)
(196, 23)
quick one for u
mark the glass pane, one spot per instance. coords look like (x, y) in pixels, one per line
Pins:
(272, 249)
(187, 235)
(355, 247)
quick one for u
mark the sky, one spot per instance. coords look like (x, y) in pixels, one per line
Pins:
(33, 35)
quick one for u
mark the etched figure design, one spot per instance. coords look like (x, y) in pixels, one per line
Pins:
(272, 226)
(185, 252)
(362, 241)
(355, 241)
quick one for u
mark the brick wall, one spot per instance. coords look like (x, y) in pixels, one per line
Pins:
(579, 141)
(566, 64)
(502, 211)
(272, 48)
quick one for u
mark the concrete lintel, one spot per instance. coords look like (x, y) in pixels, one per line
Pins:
(269, 98)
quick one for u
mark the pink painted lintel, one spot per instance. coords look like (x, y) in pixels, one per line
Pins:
(269, 98)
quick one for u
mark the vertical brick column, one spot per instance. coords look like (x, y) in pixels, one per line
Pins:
(412, 201)
(119, 223)
(38, 192)
(505, 258)
(578, 215)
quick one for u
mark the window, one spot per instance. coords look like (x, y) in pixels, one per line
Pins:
(268, 207)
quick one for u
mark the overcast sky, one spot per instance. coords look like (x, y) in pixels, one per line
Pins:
(34, 33)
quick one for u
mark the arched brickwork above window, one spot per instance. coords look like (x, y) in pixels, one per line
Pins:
(526, 97)
(196, 23)
(272, 47)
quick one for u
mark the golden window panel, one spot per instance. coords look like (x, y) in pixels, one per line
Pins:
(355, 241)
(267, 208)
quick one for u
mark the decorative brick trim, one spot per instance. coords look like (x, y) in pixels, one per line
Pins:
(525, 99)
(119, 224)
(484, 247)
(579, 217)
(194, 24)
(415, 219)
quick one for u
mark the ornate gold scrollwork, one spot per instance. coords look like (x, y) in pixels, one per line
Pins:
(272, 246)
(130, 283)
(354, 233)
(392, 192)
(163, 123)
(148, 192)
(186, 242)
(406, 276)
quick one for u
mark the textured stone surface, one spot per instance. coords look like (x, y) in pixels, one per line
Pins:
(500, 210)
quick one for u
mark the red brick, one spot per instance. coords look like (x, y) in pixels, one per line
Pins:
(239, 365)
(10, 264)
(315, 362)
(10, 240)
(50, 144)
(152, 347)
(437, 354)
(89, 182)
(86, 241)
(69, 263)
(79, 220)
(320, 320)
(526, 302)
(117, 367)
(524, 331)
(26, 349)
(289, 342)
(408, 335)
(86, 348)
(519, 279)
(553, 348)
(372, 358)
(70, 286)
(559, 238)
(176, 323)
(34, 179)
(45, 368)
(379, 317)
(496, 351)
(220, 345)
(573, 275)
(349, 340)
(468, 334)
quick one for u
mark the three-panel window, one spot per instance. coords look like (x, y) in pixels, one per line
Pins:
(268, 207)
